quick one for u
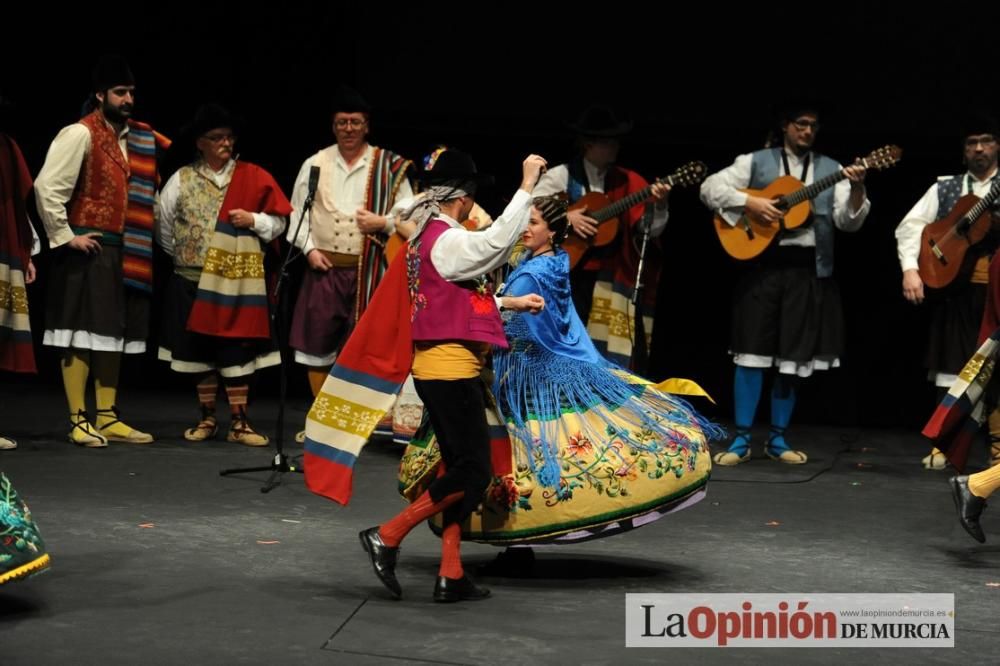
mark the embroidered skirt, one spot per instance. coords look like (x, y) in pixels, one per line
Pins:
(613, 476)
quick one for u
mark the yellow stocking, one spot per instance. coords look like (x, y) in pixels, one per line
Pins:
(75, 370)
(984, 483)
(106, 367)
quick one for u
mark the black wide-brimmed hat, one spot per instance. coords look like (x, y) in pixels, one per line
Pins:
(453, 166)
(110, 71)
(600, 121)
(209, 117)
(791, 108)
(978, 121)
(348, 100)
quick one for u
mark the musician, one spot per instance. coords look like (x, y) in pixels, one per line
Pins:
(956, 313)
(786, 307)
(595, 278)
(358, 184)
(215, 212)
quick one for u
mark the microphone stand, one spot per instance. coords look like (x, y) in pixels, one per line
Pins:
(640, 353)
(279, 322)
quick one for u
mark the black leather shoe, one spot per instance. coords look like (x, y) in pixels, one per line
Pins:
(447, 590)
(969, 507)
(383, 559)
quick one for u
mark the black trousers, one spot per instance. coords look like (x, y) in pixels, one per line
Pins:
(781, 309)
(956, 313)
(457, 410)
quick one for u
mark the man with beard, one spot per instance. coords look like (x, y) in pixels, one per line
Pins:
(787, 312)
(95, 195)
(957, 311)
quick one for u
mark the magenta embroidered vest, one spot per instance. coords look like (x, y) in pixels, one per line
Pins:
(442, 310)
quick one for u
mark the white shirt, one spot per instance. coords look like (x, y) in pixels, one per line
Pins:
(36, 244)
(460, 254)
(721, 193)
(556, 180)
(267, 227)
(348, 186)
(57, 179)
(926, 211)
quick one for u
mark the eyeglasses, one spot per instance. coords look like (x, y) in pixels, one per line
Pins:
(803, 125)
(219, 138)
(344, 123)
(974, 141)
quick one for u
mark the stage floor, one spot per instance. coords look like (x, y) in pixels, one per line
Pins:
(156, 559)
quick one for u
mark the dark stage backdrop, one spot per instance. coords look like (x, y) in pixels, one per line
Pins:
(700, 87)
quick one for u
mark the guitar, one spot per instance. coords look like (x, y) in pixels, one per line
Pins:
(599, 207)
(751, 236)
(943, 243)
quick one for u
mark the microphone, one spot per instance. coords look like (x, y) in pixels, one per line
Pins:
(306, 207)
(313, 183)
(647, 217)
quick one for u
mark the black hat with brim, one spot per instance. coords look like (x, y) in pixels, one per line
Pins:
(209, 117)
(792, 108)
(453, 166)
(110, 71)
(348, 100)
(601, 122)
(977, 122)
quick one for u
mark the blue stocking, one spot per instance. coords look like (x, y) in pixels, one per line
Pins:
(782, 405)
(747, 385)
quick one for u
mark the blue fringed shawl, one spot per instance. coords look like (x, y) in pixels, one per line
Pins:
(552, 369)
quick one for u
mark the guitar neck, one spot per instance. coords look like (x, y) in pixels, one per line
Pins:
(623, 204)
(973, 213)
(882, 158)
(812, 191)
